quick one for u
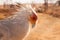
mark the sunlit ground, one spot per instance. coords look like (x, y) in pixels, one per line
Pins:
(47, 28)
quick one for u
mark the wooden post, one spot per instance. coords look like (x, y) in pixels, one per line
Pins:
(59, 2)
(46, 4)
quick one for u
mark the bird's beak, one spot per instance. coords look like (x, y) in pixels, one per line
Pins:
(33, 19)
(33, 25)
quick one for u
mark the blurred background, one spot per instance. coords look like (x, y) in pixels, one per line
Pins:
(48, 13)
(26, 1)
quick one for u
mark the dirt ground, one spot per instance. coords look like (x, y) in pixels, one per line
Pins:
(47, 28)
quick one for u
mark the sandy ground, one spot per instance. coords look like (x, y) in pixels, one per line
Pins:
(47, 28)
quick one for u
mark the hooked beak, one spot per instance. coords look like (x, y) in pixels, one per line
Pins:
(33, 25)
(33, 19)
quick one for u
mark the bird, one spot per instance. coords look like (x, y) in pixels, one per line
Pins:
(17, 26)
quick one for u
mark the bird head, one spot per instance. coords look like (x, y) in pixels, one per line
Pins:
(33, 16)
